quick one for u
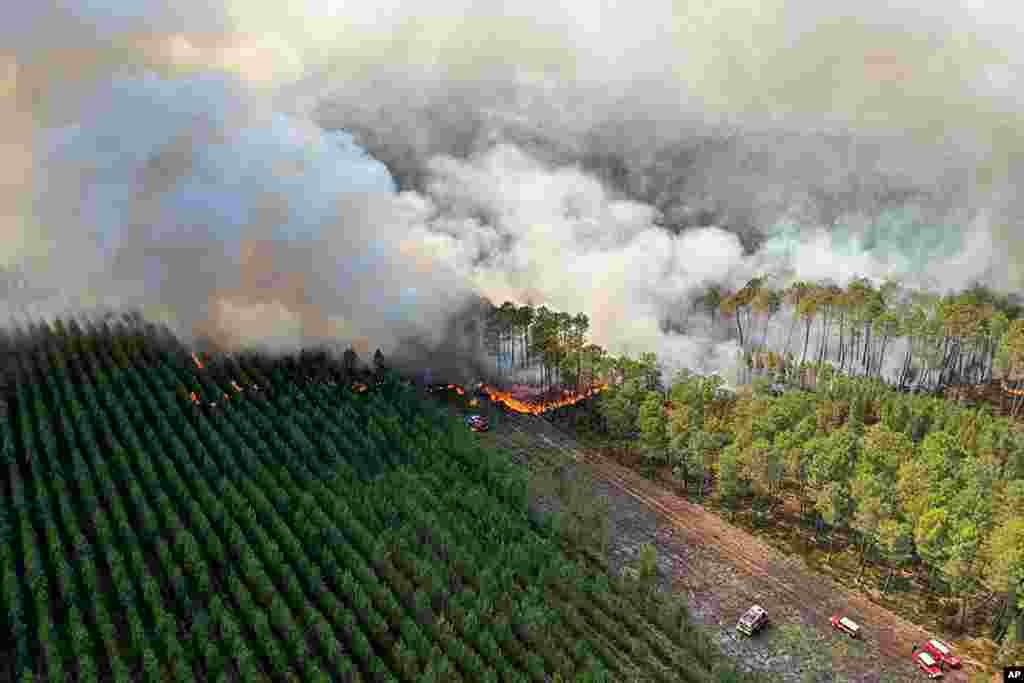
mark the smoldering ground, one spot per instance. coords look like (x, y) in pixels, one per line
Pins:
(606, 159)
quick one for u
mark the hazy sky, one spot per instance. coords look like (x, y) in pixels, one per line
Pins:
(599, 157)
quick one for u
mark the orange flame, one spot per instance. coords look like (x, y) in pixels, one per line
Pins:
(195, 359)
(194, 397)
(1011, 391)
(447, 387)
(566, 398)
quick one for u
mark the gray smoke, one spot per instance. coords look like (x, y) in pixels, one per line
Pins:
(607, 159)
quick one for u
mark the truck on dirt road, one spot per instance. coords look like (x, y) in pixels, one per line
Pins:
(752, 621)
(846, 625)
(942, 652)
(926, 663)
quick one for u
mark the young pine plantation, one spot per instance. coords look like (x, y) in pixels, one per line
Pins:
(261, 520)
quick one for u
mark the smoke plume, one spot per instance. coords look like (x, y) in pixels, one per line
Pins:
(327, 171)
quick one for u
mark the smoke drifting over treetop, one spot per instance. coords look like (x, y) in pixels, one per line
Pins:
(607, 159)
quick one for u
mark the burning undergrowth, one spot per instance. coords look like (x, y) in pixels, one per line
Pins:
(519, 397)
(536, 401)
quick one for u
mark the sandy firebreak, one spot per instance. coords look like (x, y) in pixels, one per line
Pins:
(724, 569)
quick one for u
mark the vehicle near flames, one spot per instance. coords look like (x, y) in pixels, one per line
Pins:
(928, 664)
(846, 625)
(478, 423)
(942, 652)
(752, 621)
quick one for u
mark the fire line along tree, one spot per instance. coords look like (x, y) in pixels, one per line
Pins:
(305, 531)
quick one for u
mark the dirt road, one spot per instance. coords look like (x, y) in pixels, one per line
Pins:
(724, 570)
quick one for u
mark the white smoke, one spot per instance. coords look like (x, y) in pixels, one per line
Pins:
(605, 159)
(570, 246)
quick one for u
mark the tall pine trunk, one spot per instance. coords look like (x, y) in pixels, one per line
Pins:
(823, 344)
(906, 364)
(807, 339)
(789, 337)
(991, 358)
(881, 356)
(867, 343)
(842, 351)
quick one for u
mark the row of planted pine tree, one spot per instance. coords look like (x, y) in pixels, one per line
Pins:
(299, 530)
